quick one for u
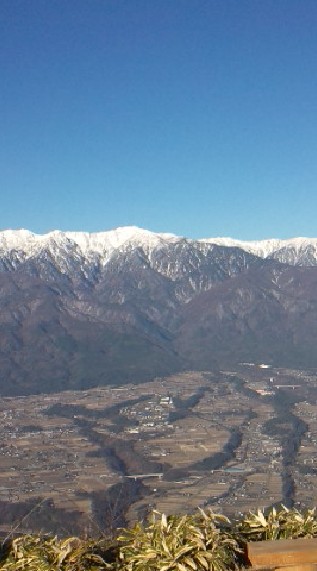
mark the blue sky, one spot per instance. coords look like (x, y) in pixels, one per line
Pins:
(197, 117)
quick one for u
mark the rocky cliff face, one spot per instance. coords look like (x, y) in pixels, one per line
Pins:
(80, 310)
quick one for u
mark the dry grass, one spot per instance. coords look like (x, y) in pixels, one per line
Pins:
(204, 541)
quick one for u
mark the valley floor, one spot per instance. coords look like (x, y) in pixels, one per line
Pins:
(231, 440)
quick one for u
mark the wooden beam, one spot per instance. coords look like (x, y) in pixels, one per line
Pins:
(283, 553)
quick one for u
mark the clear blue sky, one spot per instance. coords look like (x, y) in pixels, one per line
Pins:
(197, 117)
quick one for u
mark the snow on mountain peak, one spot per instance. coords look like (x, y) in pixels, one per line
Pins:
(103, 244)
(265, 248)
(88, 244)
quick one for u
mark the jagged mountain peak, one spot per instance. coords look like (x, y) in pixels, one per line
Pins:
(101, 243)
(295, 251)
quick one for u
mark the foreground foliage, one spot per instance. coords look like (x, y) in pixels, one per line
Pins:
(36, 553)
(284, 523)
(180, 543)
(204, 541)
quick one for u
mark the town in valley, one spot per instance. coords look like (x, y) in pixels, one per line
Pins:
(231, 441)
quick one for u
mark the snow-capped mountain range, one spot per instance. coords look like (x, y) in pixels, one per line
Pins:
(26, 244)
(80, 310)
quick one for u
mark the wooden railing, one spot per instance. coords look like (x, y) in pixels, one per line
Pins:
(283, 554)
